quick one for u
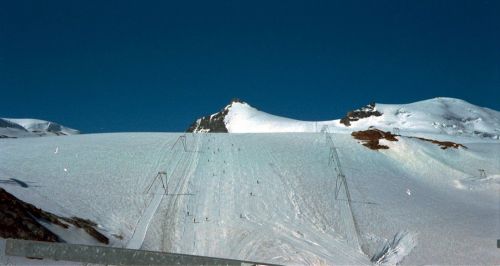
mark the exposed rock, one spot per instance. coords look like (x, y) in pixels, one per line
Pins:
(443, 144)
(18, 219)
(364, 112)
(371, 137)
(213, 123)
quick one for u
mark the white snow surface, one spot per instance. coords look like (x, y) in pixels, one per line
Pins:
(394, 251)
(449, 116)
(27, 127)
(270, 197)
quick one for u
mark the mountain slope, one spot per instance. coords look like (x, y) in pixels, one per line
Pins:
(18, 128)
(442, 116)
(269, 197)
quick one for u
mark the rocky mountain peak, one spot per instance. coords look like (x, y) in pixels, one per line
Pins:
(213, 123)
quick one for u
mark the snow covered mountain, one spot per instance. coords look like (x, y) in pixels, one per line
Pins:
(19, 128)
(443, 116)
(327, 193)
(273, 198)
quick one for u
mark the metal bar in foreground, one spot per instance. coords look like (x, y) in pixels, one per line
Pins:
(109, 255)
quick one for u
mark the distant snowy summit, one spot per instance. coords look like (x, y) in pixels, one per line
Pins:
(20, 128)
(444, 116)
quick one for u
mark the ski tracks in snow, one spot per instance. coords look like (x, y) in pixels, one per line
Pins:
(144, 221)
(181, 177)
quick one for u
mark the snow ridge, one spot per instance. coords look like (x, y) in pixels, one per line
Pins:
(437, 116)
(18, 128)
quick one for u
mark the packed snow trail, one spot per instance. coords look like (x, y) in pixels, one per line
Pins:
(177, 165)
(240, 209)
(179, 181)
(335, 223)
(140, 230)
(342, 195)
(143, 224)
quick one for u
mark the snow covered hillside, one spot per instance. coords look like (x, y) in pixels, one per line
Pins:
(19, 128)
(272, 197)
(443, 116)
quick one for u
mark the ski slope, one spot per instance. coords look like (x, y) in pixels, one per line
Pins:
(270, 197)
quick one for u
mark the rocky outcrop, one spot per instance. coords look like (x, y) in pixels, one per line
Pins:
(364, 112)
(371, 138)
(213, 123)
(19, 219)
(443, 144)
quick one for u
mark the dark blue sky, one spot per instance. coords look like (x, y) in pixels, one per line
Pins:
(102, 66)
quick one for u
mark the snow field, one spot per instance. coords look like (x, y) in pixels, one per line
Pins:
(290, 217)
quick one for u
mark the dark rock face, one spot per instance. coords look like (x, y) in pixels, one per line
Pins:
(56, 129)
(213, 123)
(18, 219)
(364, 112)
(372, 136)
(443, 144)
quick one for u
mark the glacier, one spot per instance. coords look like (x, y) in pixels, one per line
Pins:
(267, 197)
